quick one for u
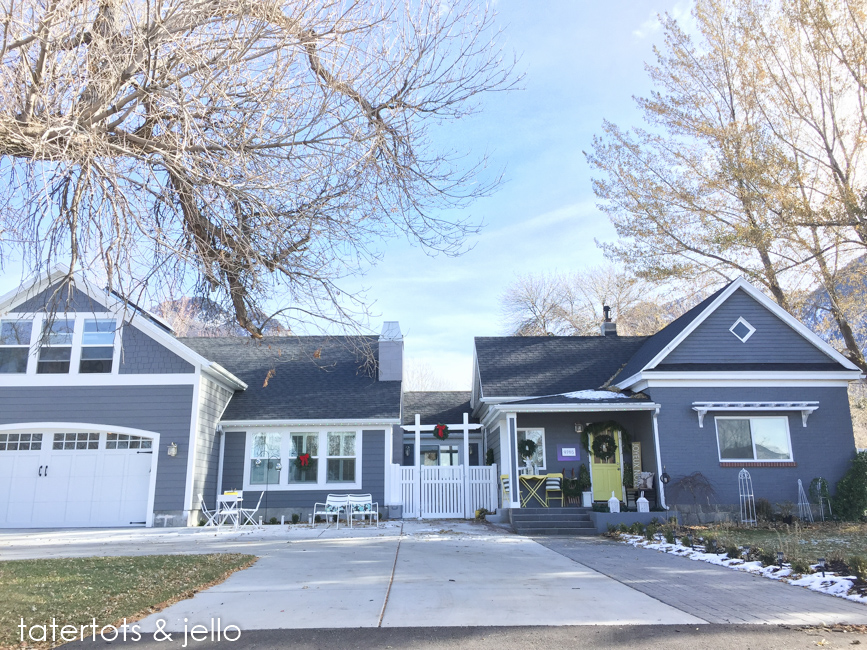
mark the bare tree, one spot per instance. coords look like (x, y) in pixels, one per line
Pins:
(753, 147)
(420, 376)
(189, 316)
(257, 151)
(571, 304)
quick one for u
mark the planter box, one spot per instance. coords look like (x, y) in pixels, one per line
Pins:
(587, 499)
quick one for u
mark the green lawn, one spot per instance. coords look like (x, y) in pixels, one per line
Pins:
(829, 540)
(75, 590)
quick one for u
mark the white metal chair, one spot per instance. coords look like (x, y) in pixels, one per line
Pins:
(210, 515)
(247, 515)
(362, 505)
(333, 506)
(229, 509)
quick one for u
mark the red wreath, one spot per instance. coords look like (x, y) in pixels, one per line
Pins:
(441, 431)
(303, 461)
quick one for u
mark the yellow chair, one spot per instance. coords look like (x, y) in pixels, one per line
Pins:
(554, 483)
(504, 481)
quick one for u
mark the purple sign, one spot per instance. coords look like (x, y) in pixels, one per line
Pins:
(568, 452)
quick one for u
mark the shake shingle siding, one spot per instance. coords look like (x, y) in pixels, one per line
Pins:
(140, 354)
(212, 400)
(166, 410)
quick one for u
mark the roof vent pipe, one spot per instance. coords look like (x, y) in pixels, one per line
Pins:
(608, 328)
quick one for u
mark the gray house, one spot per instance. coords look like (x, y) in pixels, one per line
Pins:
(735, 383)
(108, 419)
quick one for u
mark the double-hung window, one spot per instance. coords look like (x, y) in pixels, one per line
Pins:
(265, 463)
(341, 457)
(55, 351)
(14, 345)
(97, 346)
(753, 439)
(305, 447)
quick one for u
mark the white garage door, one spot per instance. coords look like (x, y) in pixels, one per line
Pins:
(73, 479)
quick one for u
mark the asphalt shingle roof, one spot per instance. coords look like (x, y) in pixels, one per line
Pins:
(304, 386)
(654, 345)
(437, 407)
(531, 366)
(565, 399)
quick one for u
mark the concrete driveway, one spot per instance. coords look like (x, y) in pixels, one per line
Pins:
(444, 574)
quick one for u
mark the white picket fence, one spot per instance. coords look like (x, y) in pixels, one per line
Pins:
(446, 492)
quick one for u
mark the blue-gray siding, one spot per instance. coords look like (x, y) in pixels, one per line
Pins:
(166, 410)
(212, 402)
(493, 442)
(140, 354)
(824, 448)
(372, 474)
(62, 300)
(772, 342)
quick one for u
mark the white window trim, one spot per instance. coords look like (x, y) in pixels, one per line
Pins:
(285, 450)
(742, 321)
(754, 459)
(75, 354)
(518, 431)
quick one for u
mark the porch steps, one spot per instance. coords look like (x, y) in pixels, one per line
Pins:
(552, 521)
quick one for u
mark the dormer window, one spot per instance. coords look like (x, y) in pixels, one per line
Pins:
(97, 346)
(14, 345)
(742, 329)
(56, 349)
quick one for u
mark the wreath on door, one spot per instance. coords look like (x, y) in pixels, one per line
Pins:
(604, 446)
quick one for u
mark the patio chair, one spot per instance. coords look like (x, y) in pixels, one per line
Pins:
(210, 515)
(554, 483)
(247, 515)
(362, 505)
(333, 506)
(229, 509)
(504, 482)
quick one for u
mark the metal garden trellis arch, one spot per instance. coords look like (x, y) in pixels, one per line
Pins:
(748, 501)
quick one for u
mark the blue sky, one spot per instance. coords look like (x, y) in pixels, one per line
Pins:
(583, 61)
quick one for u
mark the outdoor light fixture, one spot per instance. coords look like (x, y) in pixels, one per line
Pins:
(579, 428)
(172, 450)
(821, 563)
(258, 462)
(780, 558)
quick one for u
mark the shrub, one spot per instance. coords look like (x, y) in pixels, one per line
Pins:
(489, 457)
(710, 544)
(296, 518)
(637, 528)
(801, 566)
(612, 529)
(273, 521)
(318, 519)
(850, 501)
(684, 541)
(858, 566)
(584, 482)
(623, 528)
(669, 536)
(768, 558)
(764, 510)
(650, 532)
(733, 552)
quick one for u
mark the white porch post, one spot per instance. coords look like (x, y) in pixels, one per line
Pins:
(466, 467)
(512, 468)
(659, 483)
(418, 464)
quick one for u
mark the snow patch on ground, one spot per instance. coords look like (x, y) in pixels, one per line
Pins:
(831, 584)
(595, 394)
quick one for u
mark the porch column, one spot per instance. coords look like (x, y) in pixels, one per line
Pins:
(466, 467)
(512, 468)
(659, 483)
(418, 464)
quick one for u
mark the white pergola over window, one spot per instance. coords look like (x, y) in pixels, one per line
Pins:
(806, 408)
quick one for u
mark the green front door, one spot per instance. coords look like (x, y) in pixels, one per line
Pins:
(606, 473)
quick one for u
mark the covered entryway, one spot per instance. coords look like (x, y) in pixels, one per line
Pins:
(72, 478)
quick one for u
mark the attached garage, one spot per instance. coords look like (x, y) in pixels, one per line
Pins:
(72, 478)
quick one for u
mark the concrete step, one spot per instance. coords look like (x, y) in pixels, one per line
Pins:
(542, 521)
(556, 531)
(569, 510)
(553, 524)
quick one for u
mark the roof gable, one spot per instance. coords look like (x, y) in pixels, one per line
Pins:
(533, 366)
(702, 339)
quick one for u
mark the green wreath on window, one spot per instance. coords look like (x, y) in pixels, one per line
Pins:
(526, 447)
(604, 446)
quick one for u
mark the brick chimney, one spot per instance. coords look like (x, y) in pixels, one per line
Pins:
(609, 328)
(390, 352)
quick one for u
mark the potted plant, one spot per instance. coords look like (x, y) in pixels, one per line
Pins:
(584, 485)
